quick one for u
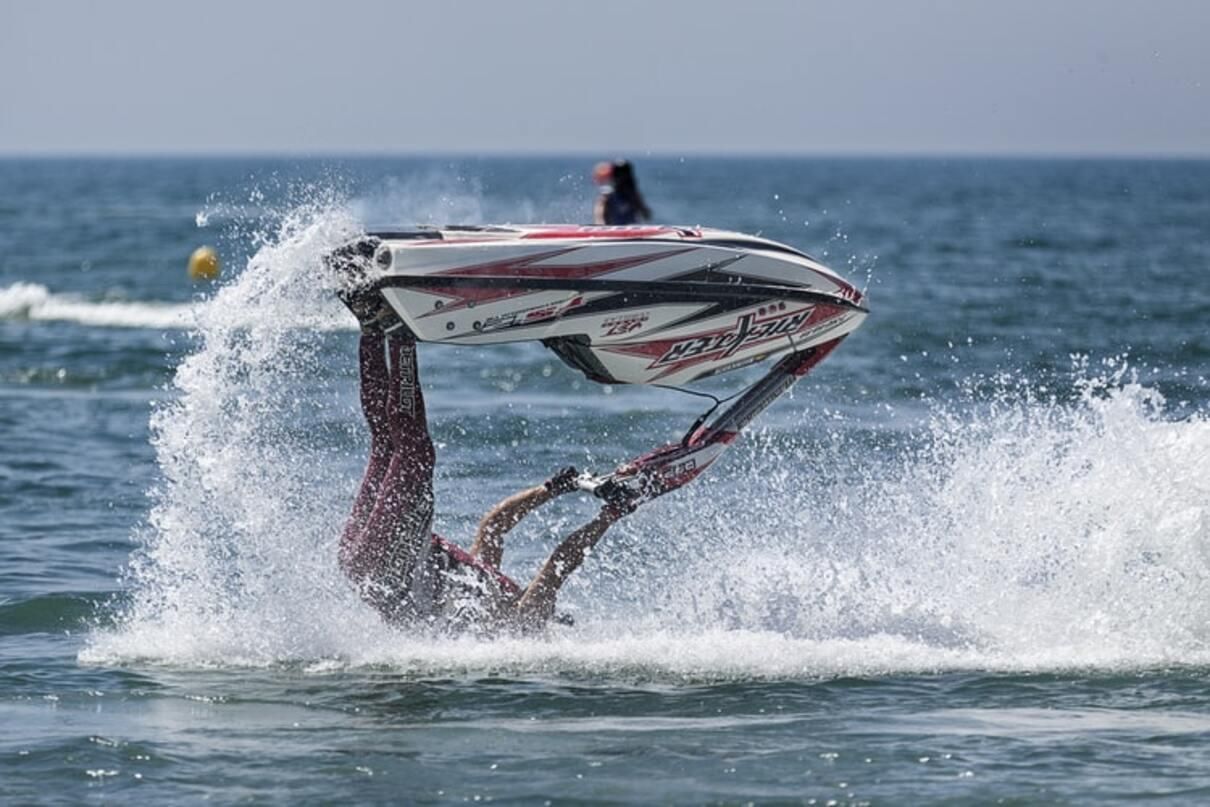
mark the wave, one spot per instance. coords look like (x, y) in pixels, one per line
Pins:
(35, 302)
(1014, 531)
(47, 612)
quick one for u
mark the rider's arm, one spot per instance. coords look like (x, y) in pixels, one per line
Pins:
(598, 210)
(537, 604)
(489, 544)
(489, 540)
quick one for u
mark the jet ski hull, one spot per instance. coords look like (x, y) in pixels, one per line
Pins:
(635, 305)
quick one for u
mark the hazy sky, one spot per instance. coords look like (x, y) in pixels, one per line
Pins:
(951, 76)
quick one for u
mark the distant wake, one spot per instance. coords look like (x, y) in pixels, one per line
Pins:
(33, 301)
(1010, 532)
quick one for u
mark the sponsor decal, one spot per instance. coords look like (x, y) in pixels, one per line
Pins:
(407, 380)
(849, 293)
(747, 331)
(553, 310)
(735, 365)
(528, 316)
(619, 326)
(496, 322)
(680, 469)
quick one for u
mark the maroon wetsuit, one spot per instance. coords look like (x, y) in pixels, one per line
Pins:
(388, 548)
(385, 545)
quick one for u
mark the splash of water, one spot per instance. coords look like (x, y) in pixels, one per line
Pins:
(1027, 532)
(236, 559)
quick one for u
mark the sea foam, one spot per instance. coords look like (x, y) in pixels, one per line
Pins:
(34, 301)
(1008, 531)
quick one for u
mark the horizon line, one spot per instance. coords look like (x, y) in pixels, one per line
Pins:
(584, 154)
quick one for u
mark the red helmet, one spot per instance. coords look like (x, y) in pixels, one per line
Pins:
(602, 173)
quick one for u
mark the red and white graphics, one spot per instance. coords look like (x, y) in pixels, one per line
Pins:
(635, 305)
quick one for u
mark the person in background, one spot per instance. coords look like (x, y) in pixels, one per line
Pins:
(620, 201)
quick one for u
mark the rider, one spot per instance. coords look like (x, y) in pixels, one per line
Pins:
(619, 201)
(388, 550)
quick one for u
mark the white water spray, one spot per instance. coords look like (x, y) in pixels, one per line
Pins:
(237, 564)
(1024, 534)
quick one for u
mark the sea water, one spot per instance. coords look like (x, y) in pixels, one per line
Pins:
(967, 560)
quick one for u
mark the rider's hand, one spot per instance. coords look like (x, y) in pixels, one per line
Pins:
(618, 508)
(562, 482)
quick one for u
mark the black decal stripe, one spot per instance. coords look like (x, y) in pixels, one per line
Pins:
(710, 272)
(720, 243)
(433, 233)
(666, 291)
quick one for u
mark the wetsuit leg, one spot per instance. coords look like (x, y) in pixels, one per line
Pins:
(375, 386)
(385, 555)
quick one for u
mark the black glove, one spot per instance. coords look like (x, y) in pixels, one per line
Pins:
(562, 482)
(615, 509)
(619, 499)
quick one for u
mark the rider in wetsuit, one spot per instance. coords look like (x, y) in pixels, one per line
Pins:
(619, 201)
(388, 549)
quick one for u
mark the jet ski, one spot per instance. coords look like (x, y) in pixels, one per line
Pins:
(624, 305)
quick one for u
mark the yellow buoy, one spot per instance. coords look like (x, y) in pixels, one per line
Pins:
(204, 264)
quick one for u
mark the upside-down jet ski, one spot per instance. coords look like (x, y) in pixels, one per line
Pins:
(625, 305)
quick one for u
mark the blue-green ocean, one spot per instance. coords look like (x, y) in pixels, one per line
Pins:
(967, 561)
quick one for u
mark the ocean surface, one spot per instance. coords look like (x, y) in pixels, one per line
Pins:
(967, 561)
